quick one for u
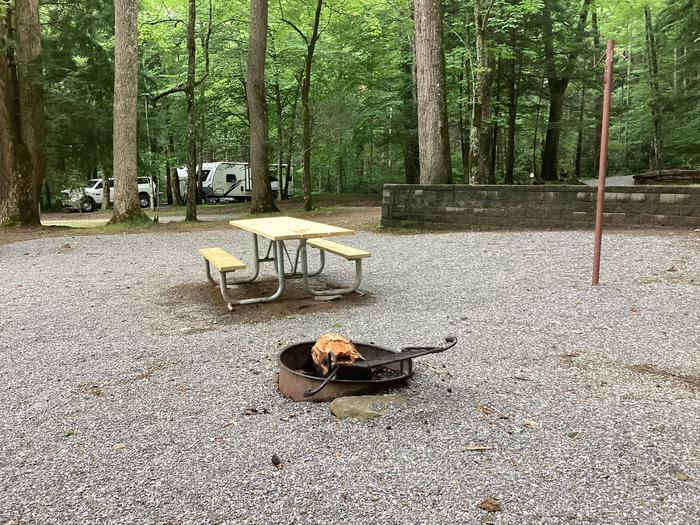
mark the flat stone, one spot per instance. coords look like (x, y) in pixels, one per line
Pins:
(359, 407)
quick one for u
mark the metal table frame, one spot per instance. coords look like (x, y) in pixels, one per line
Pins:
(275, 253)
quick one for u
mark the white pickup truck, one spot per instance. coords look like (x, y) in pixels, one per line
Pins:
(89, 198)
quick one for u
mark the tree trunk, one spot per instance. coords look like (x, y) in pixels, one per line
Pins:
(174, 177)
(598, 95)
(292, 135)
(262, 201)
(106, 167)
(658, 161)
(9, 186)
(463, 133)
(126, 68)
(409, 142)
(550, 155)
(31, 96)
(512, 116)
(480, 138)
(433, 127)
(202, 112)
(22, 122)
(279, 124)
(534, 175)
(305, 89)
(579, 138)
(494, 126)
(191, 213)
(557, 88)
(627, 101)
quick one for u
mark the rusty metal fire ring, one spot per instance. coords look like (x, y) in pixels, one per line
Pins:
(296, 378)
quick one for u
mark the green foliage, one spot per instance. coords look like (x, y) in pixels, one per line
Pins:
(361, 85)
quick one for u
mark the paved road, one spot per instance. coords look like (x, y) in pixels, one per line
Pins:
(78, 221)
(623, 180)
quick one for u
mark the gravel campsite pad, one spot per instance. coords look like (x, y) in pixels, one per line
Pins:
(130, 394)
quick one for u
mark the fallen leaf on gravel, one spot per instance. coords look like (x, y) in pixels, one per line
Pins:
(672, 269)
(490, 505)
(681, 476)
(119, 446)
(571, 354)
(486, 410)
(96, 390)
(477, 448)
(574, 435)
(529, 423)
(255, 411)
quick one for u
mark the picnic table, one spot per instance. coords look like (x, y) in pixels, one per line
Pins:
(278, 230)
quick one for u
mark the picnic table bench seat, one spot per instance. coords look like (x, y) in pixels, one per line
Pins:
(348, 252)
(222, 260)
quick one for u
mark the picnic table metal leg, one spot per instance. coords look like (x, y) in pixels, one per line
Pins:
(279, 265)
(256, 267)
(295, 265)
(336, 291)
(207, 269)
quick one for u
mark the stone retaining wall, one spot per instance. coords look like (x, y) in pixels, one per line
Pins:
(555, 206)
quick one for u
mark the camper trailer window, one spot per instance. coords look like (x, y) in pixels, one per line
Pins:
(205, 174)
(230, 177)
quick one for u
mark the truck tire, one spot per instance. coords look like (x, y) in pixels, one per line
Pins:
(87, 204)
(144, 200)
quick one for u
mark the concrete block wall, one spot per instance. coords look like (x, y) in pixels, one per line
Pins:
(550, 206)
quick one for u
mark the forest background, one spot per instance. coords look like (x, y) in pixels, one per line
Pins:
(510, 65)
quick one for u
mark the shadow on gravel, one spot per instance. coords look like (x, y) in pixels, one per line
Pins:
(294, 302)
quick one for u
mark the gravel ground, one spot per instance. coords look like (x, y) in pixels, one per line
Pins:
(120, 406)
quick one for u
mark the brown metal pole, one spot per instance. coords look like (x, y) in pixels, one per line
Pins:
(603, 162)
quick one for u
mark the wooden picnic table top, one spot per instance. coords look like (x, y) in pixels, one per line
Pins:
(288, 228)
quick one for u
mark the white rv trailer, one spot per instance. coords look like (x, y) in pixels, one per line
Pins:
(229, 181)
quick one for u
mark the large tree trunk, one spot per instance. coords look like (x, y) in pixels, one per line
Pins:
(657, 158)
(480, 138)
(557, 82)
(262, 201)
(31, 96)
(433, 128)
(9, 201)
(22, 123)
(126, 68)
(305, 89)
(191, 213)
(550, 155)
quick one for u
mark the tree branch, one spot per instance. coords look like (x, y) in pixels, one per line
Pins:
(180, 88)
(296, 29)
